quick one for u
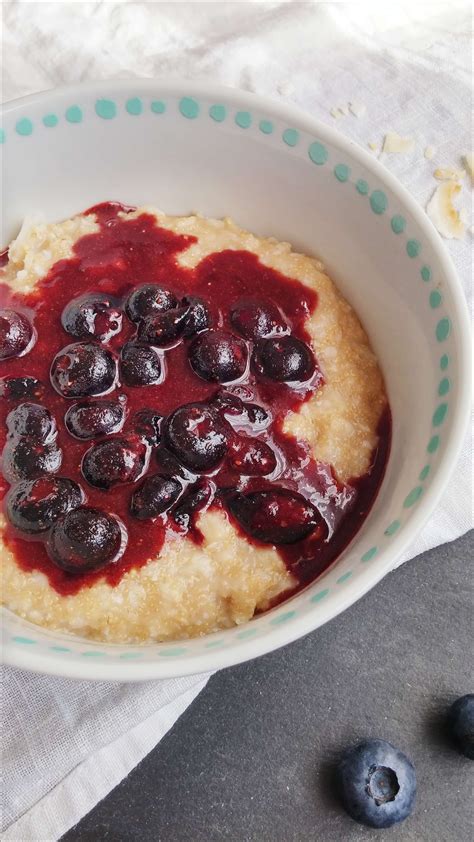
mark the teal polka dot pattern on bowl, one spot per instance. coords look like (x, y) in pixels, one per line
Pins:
(218, 113)
(369, 555)
(315, 152)
(73, 114)
(433, 444)
(443, 329)
(189, 108)
(412, 497)
(398, 224)
(393, 527)
(435, 299)
(317, 597)
(378, 202)
(440, 414)
(243, 119)
(413, 248)
(291, 137)
(444, 387)
(266, 126)
(318, 153)
(106, 109)
(342, 172)
(444, 362)
(158, 106)
(282, 618)
(24, 127)
(134, 106)
(50, 121)
(362, 187)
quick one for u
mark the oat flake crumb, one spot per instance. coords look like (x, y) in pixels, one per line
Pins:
(442, 212)
(394, 143)
(430, 152)
(468, 161)
(449, 174)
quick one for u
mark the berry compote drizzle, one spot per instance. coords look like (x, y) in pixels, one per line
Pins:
(227, 338)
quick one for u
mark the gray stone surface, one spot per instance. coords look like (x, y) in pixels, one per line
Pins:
(252, 760)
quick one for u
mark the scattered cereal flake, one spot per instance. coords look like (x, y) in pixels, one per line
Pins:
(471, 230)
(444, 216)
(357, 108)
(372, 145)
(286, 88)
(468, 160)
(395, 143)
(449, 174)
(430, 152)
(334, 112)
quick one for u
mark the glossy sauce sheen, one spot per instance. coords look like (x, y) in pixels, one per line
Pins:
(121, 256)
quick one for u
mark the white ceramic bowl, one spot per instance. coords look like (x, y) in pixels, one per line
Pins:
(275, 170)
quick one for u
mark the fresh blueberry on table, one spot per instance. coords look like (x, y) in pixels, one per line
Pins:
(461, 724)
(378, 783)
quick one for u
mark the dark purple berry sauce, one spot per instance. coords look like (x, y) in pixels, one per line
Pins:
(153, 393)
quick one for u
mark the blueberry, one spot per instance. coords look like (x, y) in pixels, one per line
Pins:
(257, 319)
(140, 365)
(148, 299)
(155, 496)
(26, 458)
(163, 330)
(256, 416)
(83, 370)
(218, 356)
(196, 436)
(91, 419)
(86, 539)
(285, 359)
(115, 461)
(197, 316)
(17, 335)
(278, 516)
(461, 724)
(227, 403)
(147, 424)
(197, 497)
(33, 506)
(378, 783)
(251, 457)
(19, 388)
(92, 316)
(31, 419)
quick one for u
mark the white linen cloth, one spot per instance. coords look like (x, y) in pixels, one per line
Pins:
(67, 744)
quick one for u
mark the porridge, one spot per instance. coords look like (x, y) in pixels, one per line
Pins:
(193, 424)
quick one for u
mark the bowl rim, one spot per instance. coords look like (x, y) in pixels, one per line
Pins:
(51, 663)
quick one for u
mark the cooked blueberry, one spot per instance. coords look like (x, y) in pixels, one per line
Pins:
(16, 334)
(115, 461)
(86, 539)
(461, 724)
(256, 415)
(227, 402)
(197, 437)
(251, 457)
(197, 315)
(378, 784)
(156, 495)
(18, 388)
(33, 506)
(147, 423)
(163, 330)
(91, 419)
(197, 497)
(31, 419)
(256, 319)
(148, 299)
(285, 359)
(83, 369)
(169, 466)
(140, 365)
(26, 458)
(92, 316)
(278, 516)
(218, 356)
